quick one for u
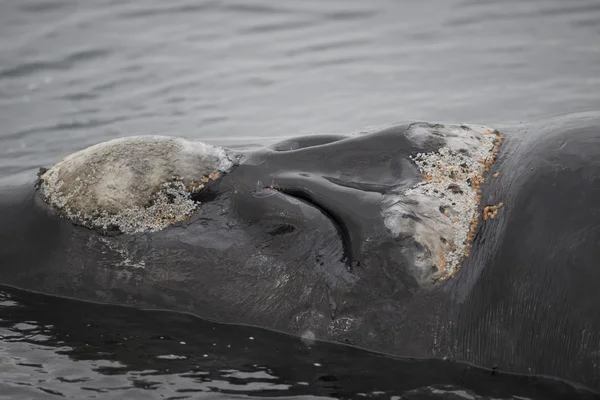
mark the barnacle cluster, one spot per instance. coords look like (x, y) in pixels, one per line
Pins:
(171, 203)
(453, 179)
(133, 185)
(441, 212)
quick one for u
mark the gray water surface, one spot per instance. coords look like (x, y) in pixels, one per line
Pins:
(238, 72)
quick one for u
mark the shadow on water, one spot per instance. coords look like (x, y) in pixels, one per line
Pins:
(60, 347)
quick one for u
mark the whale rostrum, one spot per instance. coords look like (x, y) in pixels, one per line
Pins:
(135, 184)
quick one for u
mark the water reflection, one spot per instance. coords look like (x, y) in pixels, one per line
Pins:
(53, 346)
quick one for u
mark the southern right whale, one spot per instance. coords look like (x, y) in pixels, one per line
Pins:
(418, 240)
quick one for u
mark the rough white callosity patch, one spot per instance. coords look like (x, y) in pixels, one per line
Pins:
(136, 184)
(438, 212)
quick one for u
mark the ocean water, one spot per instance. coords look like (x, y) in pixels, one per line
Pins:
(245, 73)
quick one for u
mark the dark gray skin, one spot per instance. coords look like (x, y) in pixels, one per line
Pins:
(297, 258)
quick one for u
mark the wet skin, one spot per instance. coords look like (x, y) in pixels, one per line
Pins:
(293, 240)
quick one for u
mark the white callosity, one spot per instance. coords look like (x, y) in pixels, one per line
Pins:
(136, 184)
(439, 212)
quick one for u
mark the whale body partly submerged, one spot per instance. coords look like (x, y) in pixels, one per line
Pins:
(457, 241)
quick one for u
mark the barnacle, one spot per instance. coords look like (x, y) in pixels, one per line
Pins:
(453, 179)
(491, 211)
(135, 184)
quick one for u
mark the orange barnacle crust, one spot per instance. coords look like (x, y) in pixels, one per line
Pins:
(194, 187)
(491, 211)
(471, 234)
(455, 176)
(477, 181)
(442, 266)
(476, 184)
(492, 159)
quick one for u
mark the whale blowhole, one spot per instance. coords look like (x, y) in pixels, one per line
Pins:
(135, 184)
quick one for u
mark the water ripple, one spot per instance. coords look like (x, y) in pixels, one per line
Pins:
(68, 61)
(147, 11)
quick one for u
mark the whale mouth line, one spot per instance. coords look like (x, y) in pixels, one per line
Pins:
(340, 226)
